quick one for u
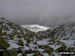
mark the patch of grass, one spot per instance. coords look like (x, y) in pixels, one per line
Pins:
(3, 44)
(12, 53)
(20, 42)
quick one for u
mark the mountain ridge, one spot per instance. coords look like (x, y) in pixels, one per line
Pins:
(64, 31)
(35, 27)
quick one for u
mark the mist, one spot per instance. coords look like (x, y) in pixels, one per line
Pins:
(43, 12)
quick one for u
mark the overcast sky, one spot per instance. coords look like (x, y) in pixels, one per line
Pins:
(43, 12)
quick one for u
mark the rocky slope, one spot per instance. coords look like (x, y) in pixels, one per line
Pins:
(65, 31)
(18, 41)
(12, 36)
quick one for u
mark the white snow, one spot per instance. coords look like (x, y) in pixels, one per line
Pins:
(19, 54)
(45, 54)
(43, 42)
(29, 54)
(55, 46)
(68, 43)
(13, 44)
(35, 27)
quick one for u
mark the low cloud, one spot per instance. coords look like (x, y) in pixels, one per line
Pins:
(43, 12)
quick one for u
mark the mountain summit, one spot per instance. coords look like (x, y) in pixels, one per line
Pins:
(35, 27)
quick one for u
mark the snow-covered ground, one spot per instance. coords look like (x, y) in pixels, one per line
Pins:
(68, 43)
(12, 44)
(43, 42)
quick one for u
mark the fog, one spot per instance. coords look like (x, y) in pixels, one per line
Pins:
(43, 12)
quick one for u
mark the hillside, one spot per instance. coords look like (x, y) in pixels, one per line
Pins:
(18, 41)
(65, 31)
